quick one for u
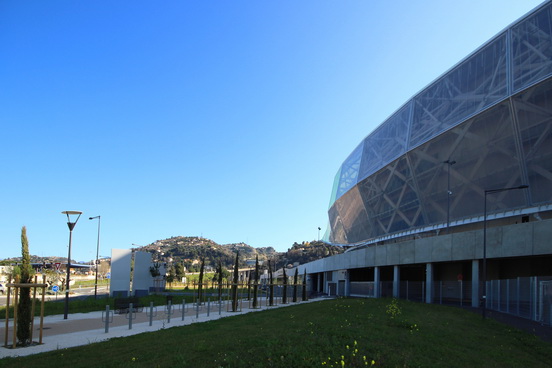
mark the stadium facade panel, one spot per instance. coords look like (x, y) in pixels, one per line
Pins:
(484, 124)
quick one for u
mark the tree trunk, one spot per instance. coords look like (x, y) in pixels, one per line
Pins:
(235, 285)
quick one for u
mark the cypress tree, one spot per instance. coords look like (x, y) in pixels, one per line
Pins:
(256, 282)
(270, 285)
(284, 296)
(295, 277)
(235, 285)
(249, 287)
(220, 281)
(200, 290)
(24, 306)
(304, 295)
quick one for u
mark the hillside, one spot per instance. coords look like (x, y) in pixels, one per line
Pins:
(189, 251)
(308, 252)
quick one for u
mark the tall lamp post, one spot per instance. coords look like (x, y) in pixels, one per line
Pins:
(490, 191)
(71, 225)
(449, 164)
(97, 255)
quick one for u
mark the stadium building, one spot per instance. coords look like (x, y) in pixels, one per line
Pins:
(450, 199)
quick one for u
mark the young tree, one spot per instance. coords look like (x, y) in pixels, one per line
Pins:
(249, 287)
(24, 306)
(284, 295)
(304, 294)
(270, 285)
(295, 277)
(219, 280)
(171, 276)
(256, 282)
(200, 289)
(235, 285)
(179, 272)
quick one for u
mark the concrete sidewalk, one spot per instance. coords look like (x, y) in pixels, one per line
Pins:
(86, 328)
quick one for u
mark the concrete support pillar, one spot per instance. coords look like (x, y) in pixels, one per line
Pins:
(429, 283)
(319, 287)
(347, 283)
(475, 283)
(396, 281)
(377, 282)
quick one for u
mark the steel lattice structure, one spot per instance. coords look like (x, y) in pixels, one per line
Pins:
(491, 114)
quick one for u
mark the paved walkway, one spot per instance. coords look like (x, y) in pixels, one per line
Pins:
(85, 328)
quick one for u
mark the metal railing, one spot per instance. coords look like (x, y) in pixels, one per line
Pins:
(526, 297)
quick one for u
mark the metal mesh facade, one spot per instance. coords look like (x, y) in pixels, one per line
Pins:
(491, 114)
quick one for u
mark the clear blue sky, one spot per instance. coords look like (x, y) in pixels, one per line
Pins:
(226, 119)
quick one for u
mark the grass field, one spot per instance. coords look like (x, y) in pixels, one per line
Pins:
(90, 304)
(331, 333)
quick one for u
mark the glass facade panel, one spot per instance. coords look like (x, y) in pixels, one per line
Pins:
(390, 199)
(351, 217)
(532, 48)
(349, 171)
(387, 143)
(334, 187)
(534, 112)
(486, 158)
(475, 84)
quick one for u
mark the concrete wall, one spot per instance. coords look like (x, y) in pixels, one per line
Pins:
(142, 279)
(524, 239)
(120, 272)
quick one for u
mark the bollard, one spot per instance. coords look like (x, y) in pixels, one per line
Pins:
(151, 314)
(208, 306)
(183, 308)
(106, 318)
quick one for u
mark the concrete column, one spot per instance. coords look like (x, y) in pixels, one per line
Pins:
(319, 287)
(429, 283)
(377, 281)
(347, 284)
(396, 280)
(475, 283)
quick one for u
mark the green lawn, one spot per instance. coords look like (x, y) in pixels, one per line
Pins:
(90, 304)
(332, 333)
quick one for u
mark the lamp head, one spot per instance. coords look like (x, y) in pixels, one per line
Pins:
(70, 214)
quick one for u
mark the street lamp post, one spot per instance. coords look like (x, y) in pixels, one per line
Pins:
(490, 191)
(97, 255)
(71, 225)
(449, 164)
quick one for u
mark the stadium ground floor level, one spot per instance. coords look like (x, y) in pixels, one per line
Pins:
(518, 277)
